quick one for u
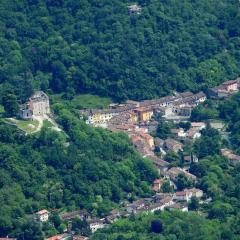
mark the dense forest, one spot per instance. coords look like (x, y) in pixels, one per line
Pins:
(42, 171)
(164, 226)
(99, 47)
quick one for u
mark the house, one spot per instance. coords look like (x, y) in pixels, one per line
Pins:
(178, 132)
(60, 237)
(42, 215)
(123, 118)
(230, 86)
(113, 216)
(182, 111)
(182, 196)
(78, 237)
(198, 193)
(151, 125)
(218, 92)
(141, 145)
(132, 103)
(148, 138)
(158, 103)
(178, 206)
(233, 158)
(160, 164)
(135, 206)
(161, 204)
(172, 145)
(217, 125)
(184, 95)
(193, 134)
(190, 158)
(144, 114)
(25, 112)
(167, 201)
(190, 100)
(164, 111)
(198, 125)
(97, 116)
(199, 98)
(157, 184)
(224, 90)
(96, 224)
(173, 173)
(82, 214)
(37, 105)
(154, 207)
(134, 9)
(123, 128)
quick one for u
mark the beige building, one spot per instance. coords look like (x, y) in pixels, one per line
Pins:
(39, 103)
(42, 215)
(144, 114)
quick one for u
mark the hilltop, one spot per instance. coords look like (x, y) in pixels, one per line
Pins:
(101, 47)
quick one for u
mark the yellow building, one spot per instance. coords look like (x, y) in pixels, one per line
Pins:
(134, 117)
(99, 116)
(144, 114)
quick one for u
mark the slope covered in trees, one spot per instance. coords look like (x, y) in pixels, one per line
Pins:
(163, 226)
(95, 172)
(98, 47)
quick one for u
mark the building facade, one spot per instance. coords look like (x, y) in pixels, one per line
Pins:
(38, 105)
(42, 215)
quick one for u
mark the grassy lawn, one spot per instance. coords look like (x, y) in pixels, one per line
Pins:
(90, 101)
(83, 101)
(47, 124)
(27, 126)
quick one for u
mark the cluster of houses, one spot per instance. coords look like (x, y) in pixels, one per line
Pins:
(170, 107)
(43, 216)
(177, 107)
(159, 201)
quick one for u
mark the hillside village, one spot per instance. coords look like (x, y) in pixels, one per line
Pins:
(88, 148)
(138, 121)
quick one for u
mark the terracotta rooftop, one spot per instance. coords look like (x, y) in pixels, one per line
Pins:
(7, 238)
(166, 200)
(181, 193)
(44, 211)
(198, 124)
(194, 190)
(229, 154)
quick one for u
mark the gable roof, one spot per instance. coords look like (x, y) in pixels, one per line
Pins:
(41, 212)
